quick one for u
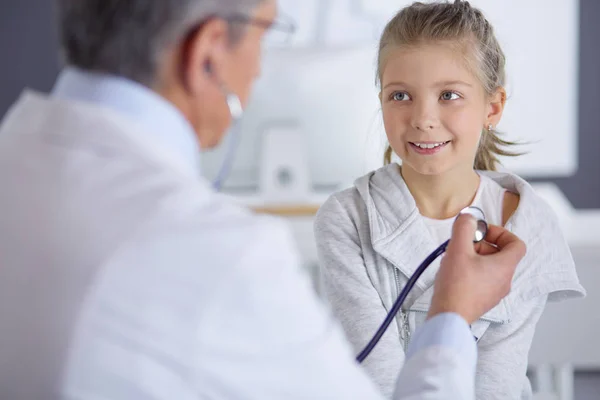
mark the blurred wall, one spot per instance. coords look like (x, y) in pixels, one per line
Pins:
(28, 44)
(583, 189)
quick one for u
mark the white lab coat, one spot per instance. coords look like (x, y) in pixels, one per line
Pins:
(123, 276)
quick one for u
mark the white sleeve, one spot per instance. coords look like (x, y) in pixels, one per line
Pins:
(441, 362)
(268, 336)
(436, 373)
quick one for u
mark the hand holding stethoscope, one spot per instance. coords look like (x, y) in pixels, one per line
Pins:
(499, 243)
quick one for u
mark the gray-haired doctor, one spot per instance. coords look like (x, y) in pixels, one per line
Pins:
(124, 276)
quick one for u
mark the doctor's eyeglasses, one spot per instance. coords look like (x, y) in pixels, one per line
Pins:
(279, 31)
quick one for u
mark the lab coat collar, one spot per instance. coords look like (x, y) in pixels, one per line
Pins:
(162, 122)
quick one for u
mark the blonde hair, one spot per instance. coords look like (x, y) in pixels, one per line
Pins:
(467, 26)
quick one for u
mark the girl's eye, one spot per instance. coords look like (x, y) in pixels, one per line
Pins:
(400, 96)
(449, 96)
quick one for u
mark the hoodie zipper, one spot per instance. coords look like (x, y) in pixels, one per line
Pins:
(491, 321)
(405, 334)
(404, 324)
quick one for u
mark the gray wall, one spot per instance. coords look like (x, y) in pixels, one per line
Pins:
(583, 189)
(28, 45)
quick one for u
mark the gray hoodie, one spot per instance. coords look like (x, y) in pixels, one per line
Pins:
(371, 238)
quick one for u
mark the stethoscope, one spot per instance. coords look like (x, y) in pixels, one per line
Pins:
(236, 110)
(480, 232)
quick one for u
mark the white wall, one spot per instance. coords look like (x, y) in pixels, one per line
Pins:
(540, 40)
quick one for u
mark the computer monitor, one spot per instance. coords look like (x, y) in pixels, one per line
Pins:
(330, 96)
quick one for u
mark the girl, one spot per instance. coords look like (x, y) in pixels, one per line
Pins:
(441, 74)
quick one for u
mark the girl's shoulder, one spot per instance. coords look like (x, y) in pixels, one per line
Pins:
(342, 206)
(548, 266)
(523, 204)
(498, 203)
(380, 195)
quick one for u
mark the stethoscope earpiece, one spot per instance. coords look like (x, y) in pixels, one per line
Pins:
(233, 101)
(236, 110)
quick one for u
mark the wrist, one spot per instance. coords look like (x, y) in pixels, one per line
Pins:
(436, 310)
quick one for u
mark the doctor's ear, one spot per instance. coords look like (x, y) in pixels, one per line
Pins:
(203, 54)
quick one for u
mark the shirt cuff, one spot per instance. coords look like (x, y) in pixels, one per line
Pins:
(446, 330)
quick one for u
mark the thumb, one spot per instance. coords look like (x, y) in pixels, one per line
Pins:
(463, 233)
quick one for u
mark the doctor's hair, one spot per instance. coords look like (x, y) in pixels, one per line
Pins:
(128, 37)
(466, 29)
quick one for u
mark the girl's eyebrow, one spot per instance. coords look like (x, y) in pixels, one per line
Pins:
(396, 83)
(450, 83)
(437, 84)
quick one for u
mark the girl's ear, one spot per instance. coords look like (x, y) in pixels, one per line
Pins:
(496, 107)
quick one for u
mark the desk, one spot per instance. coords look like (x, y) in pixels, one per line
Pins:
(288, 210)
(568, 332)
(566, 336)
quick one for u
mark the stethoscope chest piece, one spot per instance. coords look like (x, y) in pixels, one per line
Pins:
(482, 226)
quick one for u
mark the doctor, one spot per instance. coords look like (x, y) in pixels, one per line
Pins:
(124, 276)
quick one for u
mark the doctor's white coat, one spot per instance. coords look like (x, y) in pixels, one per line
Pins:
(123, 276)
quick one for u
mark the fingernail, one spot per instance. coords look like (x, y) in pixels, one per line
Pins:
(472, 220)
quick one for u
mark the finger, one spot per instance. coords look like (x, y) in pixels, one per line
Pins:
(511, 254)
(463, 232)
(500, 237)
(511, 249)
(484, 248)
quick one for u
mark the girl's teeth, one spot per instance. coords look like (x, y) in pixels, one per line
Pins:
(428, 145)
